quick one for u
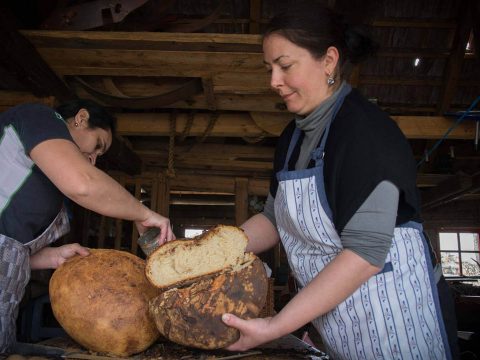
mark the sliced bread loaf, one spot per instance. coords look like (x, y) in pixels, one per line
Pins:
(182, 262)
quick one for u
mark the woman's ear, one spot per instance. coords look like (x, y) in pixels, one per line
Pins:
(81, 118)
(331, 60)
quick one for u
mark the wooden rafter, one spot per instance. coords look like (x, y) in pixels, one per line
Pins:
(457, 55)
(242, 124)
(450, 190)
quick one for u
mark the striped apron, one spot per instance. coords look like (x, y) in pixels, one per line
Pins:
(396, 313)
(15, 274)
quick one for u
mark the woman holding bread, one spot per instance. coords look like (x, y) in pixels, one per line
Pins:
(45, 156)
(344, 203)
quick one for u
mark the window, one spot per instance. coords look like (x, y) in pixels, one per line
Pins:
(190, 233)
(460, 253)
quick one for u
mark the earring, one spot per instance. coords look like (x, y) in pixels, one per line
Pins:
(76, 124)
(330, 80)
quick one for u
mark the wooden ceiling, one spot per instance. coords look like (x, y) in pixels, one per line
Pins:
(186, 80)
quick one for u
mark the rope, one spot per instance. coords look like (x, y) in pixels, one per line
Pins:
(188, 127)
(256, 139)
(171, 144)
(208, 130)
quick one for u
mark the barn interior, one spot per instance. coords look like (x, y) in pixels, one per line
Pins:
(198, 121)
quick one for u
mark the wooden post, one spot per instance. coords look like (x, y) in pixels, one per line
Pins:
(163, 195)
(241, 200)
(138, 194)
(118, 222)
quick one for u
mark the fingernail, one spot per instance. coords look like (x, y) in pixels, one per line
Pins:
(225, 317)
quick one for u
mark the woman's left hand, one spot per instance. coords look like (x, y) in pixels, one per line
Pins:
(156, 220)
(253, 332)
(53, 257)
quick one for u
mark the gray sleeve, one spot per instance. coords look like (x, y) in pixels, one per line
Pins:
(269, 209)
(369, 232)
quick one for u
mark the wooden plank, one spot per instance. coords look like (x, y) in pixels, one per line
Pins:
(255, 16)
(13, 98)
(450, 190)
(119, 222)
(153, 124)
(134, 237)
(140, 40)
(241, 200)
(431, 180)
(414, 23)
(433, 127)
(230, 102)
(148, 62)
(212, 156)
(242, 125)
(163, 195)
(457, 55)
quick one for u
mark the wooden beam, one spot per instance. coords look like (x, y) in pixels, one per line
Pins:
(457, 55)
(163, 195)
(9, 99)
(450, 190)
(145, 40)
(223, 101)
(414, 23)
(243, 125)
(209, 156)
(255, 16)
(241, 200)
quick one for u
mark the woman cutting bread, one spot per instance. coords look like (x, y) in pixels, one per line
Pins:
(45, 156)
(343, 202)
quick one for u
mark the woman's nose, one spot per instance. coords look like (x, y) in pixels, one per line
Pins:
(275, 80)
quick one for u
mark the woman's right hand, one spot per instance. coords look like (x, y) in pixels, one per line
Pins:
(253, 332)
(156, 220)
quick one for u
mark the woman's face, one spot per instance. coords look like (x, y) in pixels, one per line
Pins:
(298, 77)
(92, 143)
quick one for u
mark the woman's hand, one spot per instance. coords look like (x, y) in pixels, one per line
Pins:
(159, 221)
(253, 332)
(53, 257)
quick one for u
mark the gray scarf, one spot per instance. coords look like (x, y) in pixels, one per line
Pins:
(313, 126)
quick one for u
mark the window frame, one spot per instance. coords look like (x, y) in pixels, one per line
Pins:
(459, 250)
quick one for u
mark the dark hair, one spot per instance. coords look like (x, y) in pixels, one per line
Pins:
(99, 117)
(315, 27)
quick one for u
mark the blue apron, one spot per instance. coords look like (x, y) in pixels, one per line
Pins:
(15, 274)
(396, 313)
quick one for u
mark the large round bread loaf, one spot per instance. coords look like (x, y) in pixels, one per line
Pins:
(101, 301)
(191, 315)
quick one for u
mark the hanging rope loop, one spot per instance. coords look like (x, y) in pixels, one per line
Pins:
(210, 126)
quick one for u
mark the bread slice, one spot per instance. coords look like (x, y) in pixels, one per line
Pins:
(181, 262)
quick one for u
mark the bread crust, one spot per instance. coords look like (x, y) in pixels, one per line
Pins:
(101, 301)
(191, 315)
